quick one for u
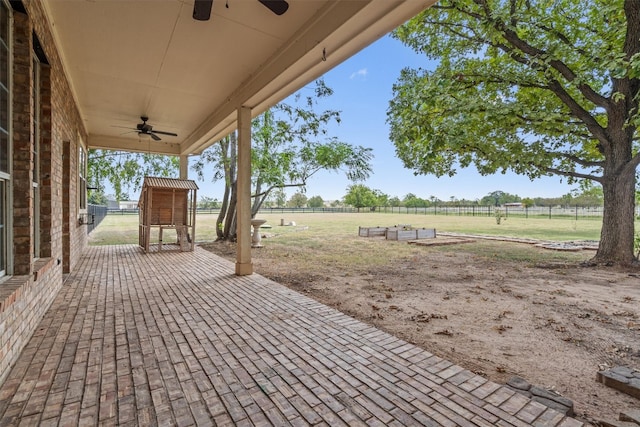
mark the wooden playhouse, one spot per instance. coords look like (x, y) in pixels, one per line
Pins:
(167, 204)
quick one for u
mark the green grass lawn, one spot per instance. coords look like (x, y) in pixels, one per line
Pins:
(123, 229)
(331, 239)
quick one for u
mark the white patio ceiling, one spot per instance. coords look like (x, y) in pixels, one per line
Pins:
(131, 58)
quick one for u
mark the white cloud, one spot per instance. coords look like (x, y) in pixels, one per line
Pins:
(361, 73)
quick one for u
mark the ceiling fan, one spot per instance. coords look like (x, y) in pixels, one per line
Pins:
(146, 129)
(202, 8)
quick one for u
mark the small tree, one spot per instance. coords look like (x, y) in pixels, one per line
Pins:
(360, 196)
(413, 201)
(279, 197)
(97, 197)
(315, 202)
(499, 198)
(298, 200)
(527, 202)
(395, 201)
(382, 198)
(588, 195)
(206, 202)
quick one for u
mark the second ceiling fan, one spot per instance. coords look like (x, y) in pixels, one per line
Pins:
(202, 8)
(146, 129)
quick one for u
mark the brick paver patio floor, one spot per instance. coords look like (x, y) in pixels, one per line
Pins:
(176, 338)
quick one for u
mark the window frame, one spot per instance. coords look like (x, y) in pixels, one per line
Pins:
(82, 177)
(35, 148)
(6, 199)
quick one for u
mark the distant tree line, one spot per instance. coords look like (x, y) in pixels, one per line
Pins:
(360, 196)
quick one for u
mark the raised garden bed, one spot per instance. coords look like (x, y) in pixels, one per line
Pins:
(372, 231)
(412, 234)
(399, 232)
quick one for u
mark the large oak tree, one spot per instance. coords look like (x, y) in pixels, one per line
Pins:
(537, 87)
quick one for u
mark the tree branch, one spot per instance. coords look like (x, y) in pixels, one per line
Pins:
(633, 163)
(553, 85)
(576, 109)
(564, 39)
(302, 184)
(573, 174)
(532, 51)
(580, 161)
(496, 79)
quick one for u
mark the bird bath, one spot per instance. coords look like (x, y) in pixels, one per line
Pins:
(256, 238)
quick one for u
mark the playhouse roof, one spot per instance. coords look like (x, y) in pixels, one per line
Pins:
(169, 183)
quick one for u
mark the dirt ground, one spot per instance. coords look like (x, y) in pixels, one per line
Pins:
(555, 325)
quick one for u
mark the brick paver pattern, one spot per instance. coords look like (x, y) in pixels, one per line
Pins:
(175, 338)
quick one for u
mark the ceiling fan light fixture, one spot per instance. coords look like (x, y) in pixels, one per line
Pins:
(202, 10)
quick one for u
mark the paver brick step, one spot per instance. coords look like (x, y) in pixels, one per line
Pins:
(627, 418)
(616, 423)
(621, 378)
(631, 415)
(540, 395)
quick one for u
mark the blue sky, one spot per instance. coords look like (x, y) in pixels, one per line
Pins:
(362, 90)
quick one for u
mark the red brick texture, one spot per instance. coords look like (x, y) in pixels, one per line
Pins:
(37, 278)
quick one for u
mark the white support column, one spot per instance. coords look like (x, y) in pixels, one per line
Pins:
(243, 205)
(184, 167)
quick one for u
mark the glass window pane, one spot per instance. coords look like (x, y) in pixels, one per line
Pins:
(4, 69)
(4, 109)
(35, 97)
(4, 130)
(4, 152)
(82, 180)
(4, 85)
(4, 45)
(3, 238)
(4, 24)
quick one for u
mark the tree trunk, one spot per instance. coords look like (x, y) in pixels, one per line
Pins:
(230, 220)
(619, 172)
(617, 234)
(228, 179)
(257, 200)
(223, 212)
(228, 213)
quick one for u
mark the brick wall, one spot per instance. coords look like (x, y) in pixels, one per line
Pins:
(21, 310)
(47, 165)
(66, 128)
(22, 143)
(25, 297)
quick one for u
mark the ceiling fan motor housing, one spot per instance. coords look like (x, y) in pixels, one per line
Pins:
(144, 127)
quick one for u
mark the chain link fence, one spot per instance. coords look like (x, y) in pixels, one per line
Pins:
(96, 214)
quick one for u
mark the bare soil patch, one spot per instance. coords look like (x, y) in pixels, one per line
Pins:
(553, 323)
